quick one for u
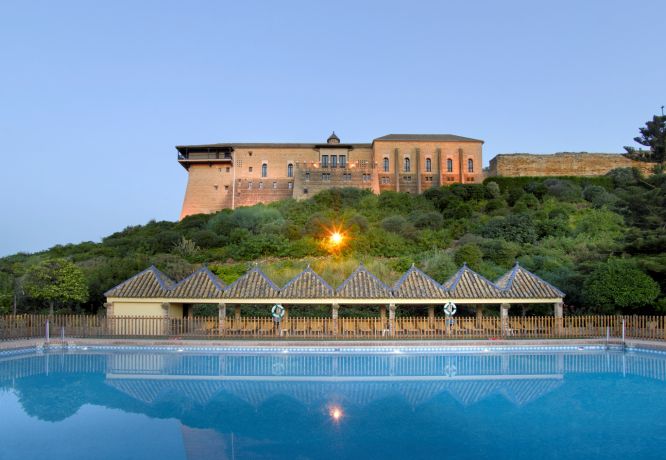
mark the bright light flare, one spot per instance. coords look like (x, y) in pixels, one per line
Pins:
(335, 240)
(336, 413)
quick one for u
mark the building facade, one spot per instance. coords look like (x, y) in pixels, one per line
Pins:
(229, 175)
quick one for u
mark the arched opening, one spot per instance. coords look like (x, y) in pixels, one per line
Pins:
(386, 164)
(264, 170)
(470, 165)
(449, 165)
(290, 170)
(428, 165)
(408, 165)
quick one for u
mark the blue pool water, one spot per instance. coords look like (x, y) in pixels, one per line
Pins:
(168, 405)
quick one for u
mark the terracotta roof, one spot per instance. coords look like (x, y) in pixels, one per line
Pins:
(467, 284)
(415, 284)
(202, 284)
(306, 285)
(520, 283)
(252, 285)
(427, 137)
(149, 283)
(362, 284)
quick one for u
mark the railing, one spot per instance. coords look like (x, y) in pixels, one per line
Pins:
(534, 327)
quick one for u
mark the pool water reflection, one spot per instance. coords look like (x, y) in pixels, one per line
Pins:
(87, 404)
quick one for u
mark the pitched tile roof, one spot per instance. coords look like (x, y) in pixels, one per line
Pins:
(520, 283)
(149, 283)
(202, 284)
(252, 285)
(415, 284)
(306, 285)
(467, 284)
(427, 137)
(362, 284)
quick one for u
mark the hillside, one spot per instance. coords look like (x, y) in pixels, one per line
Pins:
(599, 239)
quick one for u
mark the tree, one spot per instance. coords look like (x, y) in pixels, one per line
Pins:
(618, 284)
(56, 281)
(654, 137)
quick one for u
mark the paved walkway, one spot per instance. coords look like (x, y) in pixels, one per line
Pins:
(324, 343)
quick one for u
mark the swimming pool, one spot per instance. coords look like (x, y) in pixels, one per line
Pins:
(135, 404)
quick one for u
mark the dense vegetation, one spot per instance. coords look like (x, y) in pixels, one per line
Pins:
(601, 240)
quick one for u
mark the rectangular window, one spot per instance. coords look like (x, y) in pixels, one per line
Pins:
(307, 175)
(249, 169)
(343, 161)
(274, 185)
(249, 185)
(291, 185)
(324, 161)
(261, 185)
(305, 191)
(334, 161)
(228, 169)
(407, 178)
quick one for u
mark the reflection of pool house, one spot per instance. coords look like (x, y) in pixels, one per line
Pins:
(151, 294)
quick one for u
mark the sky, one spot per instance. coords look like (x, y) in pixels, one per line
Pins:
(95, 95)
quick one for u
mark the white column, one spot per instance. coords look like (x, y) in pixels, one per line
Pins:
(221, 317)
(504, 315)
(334, 315)
(392, 319)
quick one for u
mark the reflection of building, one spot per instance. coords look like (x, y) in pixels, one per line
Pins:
(229, 175)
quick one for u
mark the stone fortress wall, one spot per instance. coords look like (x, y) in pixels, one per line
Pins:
(562, 164)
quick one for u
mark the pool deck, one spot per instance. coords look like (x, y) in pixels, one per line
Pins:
(184, 344)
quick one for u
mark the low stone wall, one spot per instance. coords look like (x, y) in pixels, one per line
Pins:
(562, 164)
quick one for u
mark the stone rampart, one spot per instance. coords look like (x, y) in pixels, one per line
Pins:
(562, 164)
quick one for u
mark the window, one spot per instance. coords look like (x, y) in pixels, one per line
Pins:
(261, 185)
(386, 164)
(470, 165)
(449, 165)
(290, 185)
(324, 161)
(264, 170)
(226, 187)
(334, 161)
(386, 180)
(307, 175)
(428, 165)
(367, 177)
(407, 165)
(274, 185)
(290, 170)
(305, 191)
(249, 169)
(343, 161)
(407, 178)
(326, 176)
(470, 179)
(346, 176)
(228, 169)
(249, 185)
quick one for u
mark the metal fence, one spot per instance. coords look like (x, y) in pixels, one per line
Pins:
(535, 327)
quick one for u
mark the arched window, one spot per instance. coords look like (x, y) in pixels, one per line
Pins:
(290, 170)
(428, 165)
(408, 165)
(264, 170)
(386, 164)
(449, 165)
(470, 165)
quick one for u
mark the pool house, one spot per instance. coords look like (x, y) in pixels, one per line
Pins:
(150, 303)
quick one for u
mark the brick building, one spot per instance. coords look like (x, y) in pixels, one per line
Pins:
(229, 175)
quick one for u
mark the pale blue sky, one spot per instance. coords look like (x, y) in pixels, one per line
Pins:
(95, 95)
